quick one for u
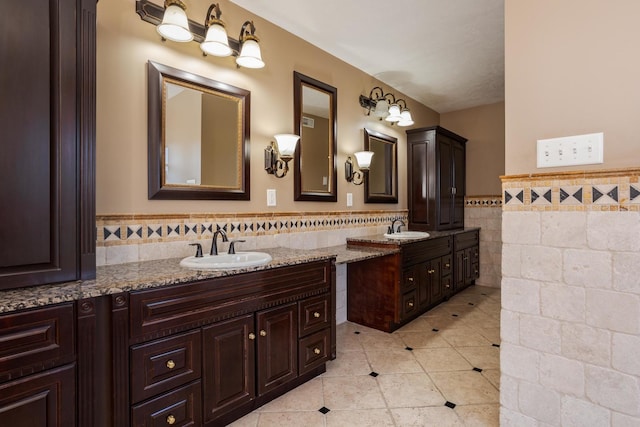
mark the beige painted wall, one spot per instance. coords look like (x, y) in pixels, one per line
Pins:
(125, 44)
(572, 68)
(484, 128)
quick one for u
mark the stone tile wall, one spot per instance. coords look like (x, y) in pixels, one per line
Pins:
(570, 320)
(486, 212)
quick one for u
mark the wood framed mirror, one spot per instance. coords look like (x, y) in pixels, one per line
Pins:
(314, 105)
(381, 183)
(198, 137)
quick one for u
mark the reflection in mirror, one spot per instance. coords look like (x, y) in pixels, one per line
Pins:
(198, 137)
(315, 120)
(381, 183)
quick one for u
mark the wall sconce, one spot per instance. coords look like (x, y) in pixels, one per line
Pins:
(173, 24)
(364, 161)
(386, 106)
(279, 153)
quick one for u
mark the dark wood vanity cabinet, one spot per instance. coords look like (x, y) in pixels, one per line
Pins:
(37, 367)
(467, 259)
(47, 117)
(436, 179)
(387, 292)
(206, 353)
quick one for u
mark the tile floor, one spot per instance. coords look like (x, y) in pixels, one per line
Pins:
(441, 370)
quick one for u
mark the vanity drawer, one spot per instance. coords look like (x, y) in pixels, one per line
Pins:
(446, 265)
(163, 364)
(313, 314)
(409, 278)
(314, 350)
(181, 407)
(409, 304)
(35, 340)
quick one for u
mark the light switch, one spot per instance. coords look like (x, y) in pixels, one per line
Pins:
(349, 199)
(571, 150)
(271, 197)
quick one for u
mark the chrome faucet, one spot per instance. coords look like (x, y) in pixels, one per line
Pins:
(392, 228)
(214, 241)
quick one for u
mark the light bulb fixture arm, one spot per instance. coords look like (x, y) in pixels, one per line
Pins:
(247, 33)
(210, 18)
(273, 163)
(351, 175)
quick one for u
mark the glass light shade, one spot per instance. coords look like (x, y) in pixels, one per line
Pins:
(216, 42)
(250, 56)
(394, 113)
(364, 159)
(175, 26)
(405, 118)
(286, 144)
(382, 108)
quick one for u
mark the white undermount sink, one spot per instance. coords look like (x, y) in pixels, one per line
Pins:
(407, 235)
(226, 261)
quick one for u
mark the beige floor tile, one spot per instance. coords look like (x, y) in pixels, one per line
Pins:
(445, 321)
(465, 387)
(428, 339)
(361, 392)
(486, 357)
(441, 359)
(492, 334)
(380, 341)
(409, 390)
(348, 363)
(360, 418)
(426, 417)
(465, 336)
(493, 375)
(479, 415)
(393, 361)
(416, 325)
(281, 419)
(348, 341)
(249, 420)
(306, 397)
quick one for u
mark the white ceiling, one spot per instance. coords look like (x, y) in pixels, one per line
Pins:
(446, 54)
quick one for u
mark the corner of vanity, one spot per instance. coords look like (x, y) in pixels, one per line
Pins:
(388, 292)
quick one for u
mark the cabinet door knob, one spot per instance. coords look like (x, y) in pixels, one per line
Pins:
(316, 350)
(447, 265)
(171, 420)
(171, 364)
(410, 303)
(252, 336)
(316, 314)
(263, 333)
(411, 279)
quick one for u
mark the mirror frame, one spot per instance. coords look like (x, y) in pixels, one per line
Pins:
(299, 80)
(156, 188)
(391, 169)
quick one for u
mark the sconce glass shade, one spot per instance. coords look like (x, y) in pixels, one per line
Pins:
(405, 118)
(250, 56)
(382, 108)
(175, 25)
(394, 114)
(216, 42)
(364, 159)
(286, 145)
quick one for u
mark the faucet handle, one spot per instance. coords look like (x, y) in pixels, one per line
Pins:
(198, 249)
(232, 246)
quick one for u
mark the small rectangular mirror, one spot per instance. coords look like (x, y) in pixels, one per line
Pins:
(381, 183)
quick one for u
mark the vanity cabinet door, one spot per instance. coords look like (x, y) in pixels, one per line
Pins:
(277, 346)
(47, 399)
(228, 365)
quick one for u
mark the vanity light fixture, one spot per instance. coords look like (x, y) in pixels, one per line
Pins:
(279, 153)
(173, 24)
(364, 161)
(386, 107)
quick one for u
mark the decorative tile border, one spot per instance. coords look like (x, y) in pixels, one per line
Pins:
(607, 190)
(155, 228)
(483, 202)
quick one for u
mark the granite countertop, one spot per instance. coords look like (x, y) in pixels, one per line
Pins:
(379, 239)
(113, 279)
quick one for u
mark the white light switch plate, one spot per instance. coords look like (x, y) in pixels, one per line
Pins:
(349, 199)
(571, 150)
(271, 197)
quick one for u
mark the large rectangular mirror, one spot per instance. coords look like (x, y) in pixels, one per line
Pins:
(198, 137)
(381, 183)
(315, 106)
